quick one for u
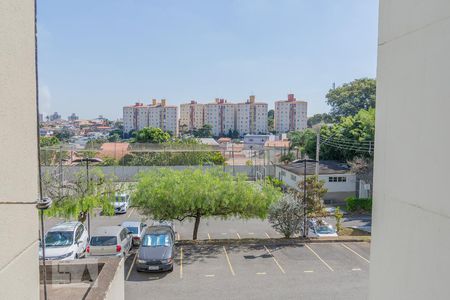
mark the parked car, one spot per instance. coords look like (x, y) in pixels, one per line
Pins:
(322, 229)
(156, 251)
(65, 241)
(121, 203)
(137, 230)
(110, 240)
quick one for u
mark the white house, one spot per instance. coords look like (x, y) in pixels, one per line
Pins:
(339, 181)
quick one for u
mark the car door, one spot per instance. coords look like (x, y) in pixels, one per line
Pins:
(84, 238)
(78, 241)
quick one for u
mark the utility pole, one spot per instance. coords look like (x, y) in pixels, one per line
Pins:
(317, 152)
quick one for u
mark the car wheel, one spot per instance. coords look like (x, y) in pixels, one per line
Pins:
(171, 269)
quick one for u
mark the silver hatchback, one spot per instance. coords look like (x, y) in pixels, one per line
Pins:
(109, 241)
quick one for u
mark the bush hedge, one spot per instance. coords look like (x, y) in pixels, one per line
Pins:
(359, 204)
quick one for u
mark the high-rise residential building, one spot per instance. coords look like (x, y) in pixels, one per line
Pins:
(157, 115)
(55, 117)
(221, 116)
(251, 117)
(191, 116)
(41, 118)
(290, 115)
(73, 117)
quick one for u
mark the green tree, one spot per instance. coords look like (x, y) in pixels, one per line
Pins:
(168, 194)
(320, 118)
(204, 132)
(286, 215)
(350, 98)
(270, 120)
(315, 190)
(151, 135)
(47, 141)
(338, 216)
(114, 138)
(79, 196)
(64, 134)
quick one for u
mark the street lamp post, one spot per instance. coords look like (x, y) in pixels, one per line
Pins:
(43, 204)
(87, 160)
(305, 210)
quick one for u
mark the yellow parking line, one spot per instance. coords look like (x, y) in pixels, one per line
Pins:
(181, 262)
(350, 249)
(275, 260)
(239, 237)
(228, 260)
(320, 258)
(131, 268)
(209, 237)
(308, 271)
(268, 236)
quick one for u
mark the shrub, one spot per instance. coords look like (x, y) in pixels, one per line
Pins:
(359, 205)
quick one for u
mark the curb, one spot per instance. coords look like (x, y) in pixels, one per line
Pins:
(274, 241)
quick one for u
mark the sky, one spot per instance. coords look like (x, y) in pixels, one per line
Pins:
(94, 57)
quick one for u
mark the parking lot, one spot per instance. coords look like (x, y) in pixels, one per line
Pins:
(308, 271)
(247, 270)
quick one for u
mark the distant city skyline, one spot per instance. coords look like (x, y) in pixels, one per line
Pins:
(97, 56)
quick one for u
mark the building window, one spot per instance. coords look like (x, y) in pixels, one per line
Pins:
(337, 179)
(293, 177)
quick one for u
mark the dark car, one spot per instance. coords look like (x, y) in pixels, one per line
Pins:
(156, 251)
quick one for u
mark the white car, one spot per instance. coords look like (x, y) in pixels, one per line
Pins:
(137, 230)
(121, 203)
(323, 229)
(65, 241)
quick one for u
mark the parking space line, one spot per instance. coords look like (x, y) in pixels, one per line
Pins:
(131, 267)
(275, 260)
(228, 260)
(239, 237)
(268, 236)
(308, 271)
(356, 269)
(181, 262)
(261, 273)
(251, 233)
(210, 275)
(350, 249)
(320, 258)
(131, 212)
(209, 237)
(178, 236)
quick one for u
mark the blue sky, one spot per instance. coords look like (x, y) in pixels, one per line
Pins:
(97, 56)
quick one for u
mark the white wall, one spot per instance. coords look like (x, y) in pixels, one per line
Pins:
(18, 177)
(410, 255)
(292, 180)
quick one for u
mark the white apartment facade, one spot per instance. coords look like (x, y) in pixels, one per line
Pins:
(221, 116)
(191, 116)
(251, 117)
(290, 115)
(157, 115)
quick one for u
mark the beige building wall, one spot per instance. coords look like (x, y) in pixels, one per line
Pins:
(410, 255)
(18, 177)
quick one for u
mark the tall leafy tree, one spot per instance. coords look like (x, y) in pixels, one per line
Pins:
(286, 215)
(151, 135)
(204, 132)
(320, 118)
(169, 194)
(350, 98)
(47, 141)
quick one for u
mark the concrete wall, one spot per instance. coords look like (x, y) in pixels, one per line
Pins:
(18, 189)
(410, 254)
(129, 173)
(116, 290)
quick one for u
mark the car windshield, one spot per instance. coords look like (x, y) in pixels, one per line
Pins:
(133, 230)
(58, 238)
(154, 240)
(103, 240)
(325, 230)
(121, 198)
